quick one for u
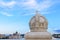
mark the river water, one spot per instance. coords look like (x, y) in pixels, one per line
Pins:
(24, 39)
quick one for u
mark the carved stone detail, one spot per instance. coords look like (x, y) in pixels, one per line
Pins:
(38, 22)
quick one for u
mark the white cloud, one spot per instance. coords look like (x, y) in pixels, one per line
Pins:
(28, 4)
(7, 4)
(6, 14)
(44, 5)
(33, 4)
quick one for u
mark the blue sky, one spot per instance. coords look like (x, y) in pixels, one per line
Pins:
(15, 14)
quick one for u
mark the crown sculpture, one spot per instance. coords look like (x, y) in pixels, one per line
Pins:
(38, 27)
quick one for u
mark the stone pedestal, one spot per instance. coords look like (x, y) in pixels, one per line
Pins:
(38, 27)
(38, 36)
(37, 39)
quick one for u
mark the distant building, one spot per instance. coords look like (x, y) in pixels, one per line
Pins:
(1, 36)
(56, 35)
(14, 36)
(22, 35)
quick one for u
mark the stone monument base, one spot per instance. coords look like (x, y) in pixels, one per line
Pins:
(38, 39)
(38, 36)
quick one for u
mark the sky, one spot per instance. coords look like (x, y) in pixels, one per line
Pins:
(16, 14)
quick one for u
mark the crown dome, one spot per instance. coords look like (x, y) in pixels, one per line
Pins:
(38, 22)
